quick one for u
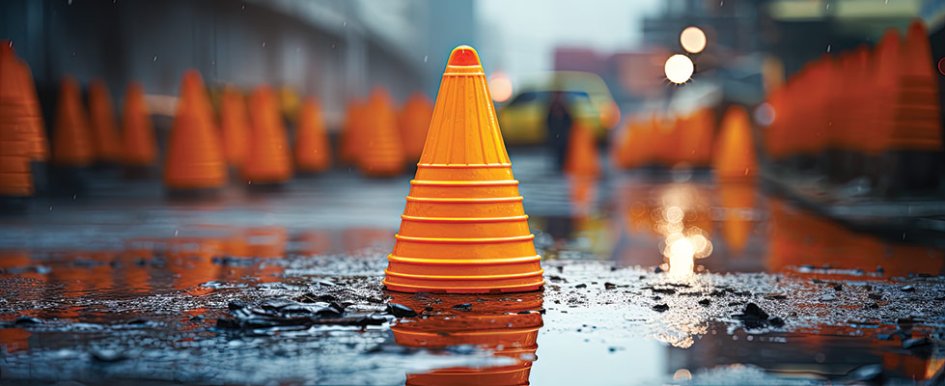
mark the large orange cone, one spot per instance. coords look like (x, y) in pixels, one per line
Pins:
(268, 160)
(506, 327)
(351, 132)
(582, 158)
(194, 158)
(312, 153)
(414, 122)
(16, 144)
(234, 126)
(697, 139)
(464, 229)
(138, 146)
(735, 152)
(381, 154)
(72, 141)
(102, 122)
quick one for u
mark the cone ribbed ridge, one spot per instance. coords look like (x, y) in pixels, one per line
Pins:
(72, 141)
(735, 152)
(139, 147)
(268, 160)
(15, 129)
(312, 153)
(194, 156)
(102, 122)
(464, 229)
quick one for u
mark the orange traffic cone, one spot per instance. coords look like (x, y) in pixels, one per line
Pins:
(507, 328)
(414, 122)
(464, 229)
(312, 153)
(234, 126)
(194, 158)
(15, 130)
(102, 122)
(916, 125)
(39, 151)
(735, 152)
(351, 132)
(72, 141)
(382, 154)
(268, 160)
(138, 146)
(697, 140)
(582, 158)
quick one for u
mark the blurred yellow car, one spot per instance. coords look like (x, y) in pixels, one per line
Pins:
(523, 118)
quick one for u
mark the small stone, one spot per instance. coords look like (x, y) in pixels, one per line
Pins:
(400, 310)
(658, 269)
(907, 288)
(609, 285)
(874, 296)
(236, 305)
(466, 307)
(661, 307)
(776, 322)
(27, 321)
(705, 302)
(108, 356)
(582, 285)
(838, 287)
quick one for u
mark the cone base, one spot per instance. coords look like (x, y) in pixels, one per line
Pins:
(482, 288)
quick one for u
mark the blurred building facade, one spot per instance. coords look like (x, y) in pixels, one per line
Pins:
(333, 49)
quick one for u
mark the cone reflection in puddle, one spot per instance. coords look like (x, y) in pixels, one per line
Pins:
(505, 325)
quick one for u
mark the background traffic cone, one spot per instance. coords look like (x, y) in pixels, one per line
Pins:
(39, 148)
(697, 140)
(351, 132)
(735, 152)
(582, 157)
(464, 229)
(16, 145)
(507, 328)
(414, 122)
(382, 154)
(138, 146)
(102, 122)
(72, 142)
(234, 126)
(312, 153)
(194, 158)
(268, 160)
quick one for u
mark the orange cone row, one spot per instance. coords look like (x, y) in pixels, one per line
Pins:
(17, 130)
(685, 140)
(866, 101)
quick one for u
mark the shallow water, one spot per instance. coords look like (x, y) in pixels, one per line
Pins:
(646, 274)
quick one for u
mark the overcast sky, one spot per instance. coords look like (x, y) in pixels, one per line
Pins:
(520, 35)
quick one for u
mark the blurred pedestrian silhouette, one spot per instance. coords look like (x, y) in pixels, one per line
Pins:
(559, 122)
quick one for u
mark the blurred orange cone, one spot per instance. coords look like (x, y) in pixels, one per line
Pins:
(312, 153)
(194, 158)
(582, 158)
(268, 160)
(102, 121)
(382, 154)
(464, 229)
(138, 146)
(72, 141)
(697, 142)
(916, 125)
(735, 152)
(234, 126)
(351, 133)
(39, 150)
(414, 122)
(16, 145)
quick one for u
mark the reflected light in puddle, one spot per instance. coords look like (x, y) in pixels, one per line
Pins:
(682, 245)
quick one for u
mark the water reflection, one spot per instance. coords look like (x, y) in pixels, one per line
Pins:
(506, 325)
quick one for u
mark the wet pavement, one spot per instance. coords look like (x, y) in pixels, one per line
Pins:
(651, 278)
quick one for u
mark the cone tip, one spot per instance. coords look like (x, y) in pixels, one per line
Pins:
(464, 56)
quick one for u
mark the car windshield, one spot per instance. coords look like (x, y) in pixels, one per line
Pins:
(543, 97)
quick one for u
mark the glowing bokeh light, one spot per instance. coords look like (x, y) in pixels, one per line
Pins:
(692, 39)
(679, 69)
(500, 86)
